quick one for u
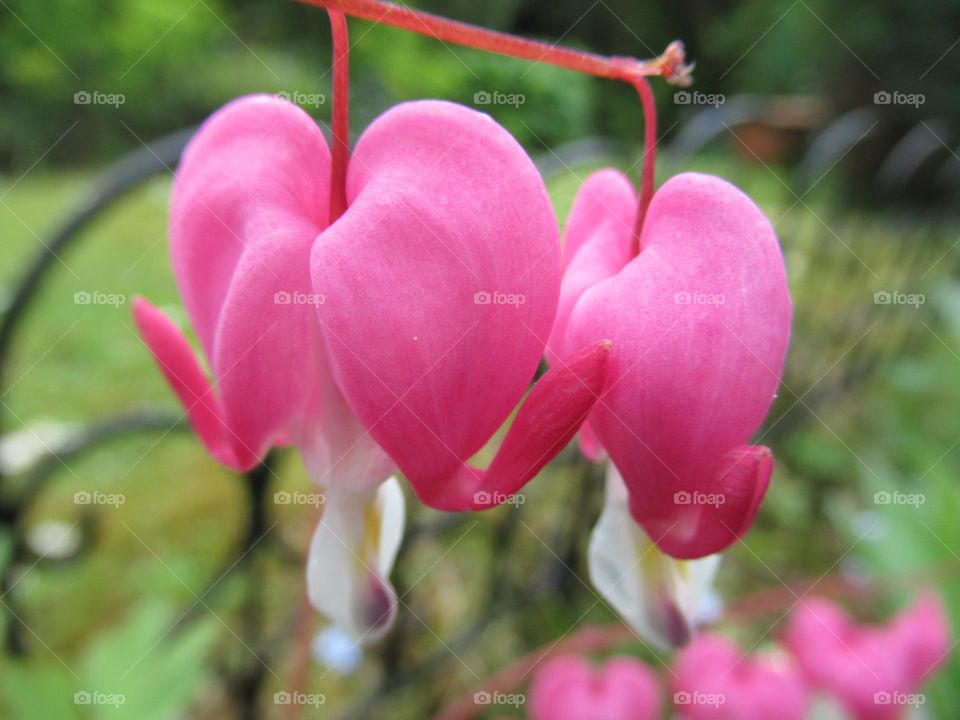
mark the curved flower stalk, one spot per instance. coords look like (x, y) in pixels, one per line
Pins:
(568, 688)
(875, 671)
(661, 598)
(713, 680)
(386, 325)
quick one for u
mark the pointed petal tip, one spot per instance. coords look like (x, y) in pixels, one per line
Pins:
(380, 609)
(676, 629)
(547, 420)
(696, 530)
(180, 366)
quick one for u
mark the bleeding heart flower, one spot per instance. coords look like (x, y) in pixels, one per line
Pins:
(568, 688)
(663, 599)
(249, 199)
(875, 671)
(715, 680)
(699, 321)
(441, 280)
(415, 320)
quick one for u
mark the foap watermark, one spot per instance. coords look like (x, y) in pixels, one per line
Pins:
(302, 98)
(99, 498)
(899, 498)
(283, 497)
(886, 97)
(492, 499)
(95, 297)
(299, 698)
(94, 697)
(95, 97)
(484, 697)
(895, 297)
(698, 498)
(686, 97)
(485, 97)
(685, 297)
(298, 298)
(483, 297)
(899, 698)
(684, 697)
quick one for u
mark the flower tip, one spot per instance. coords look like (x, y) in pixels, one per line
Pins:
(605, 345)
(674, 66)
(674, 624)
(762, 452)
(139, 305)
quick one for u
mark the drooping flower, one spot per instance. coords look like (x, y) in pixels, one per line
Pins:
(699, 321)
(569, 688)
(715, 680)
(441, 281)
(403, 333)
(249, 198)
(875, 671)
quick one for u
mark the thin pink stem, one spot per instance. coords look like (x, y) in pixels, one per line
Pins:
(341, 114)
(649, 157)
(670, 65)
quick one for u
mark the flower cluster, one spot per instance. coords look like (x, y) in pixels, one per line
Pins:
(827, 666)
(384, 308)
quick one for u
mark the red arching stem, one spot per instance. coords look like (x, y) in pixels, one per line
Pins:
(341, 114)
(649, 157)
(670, 65)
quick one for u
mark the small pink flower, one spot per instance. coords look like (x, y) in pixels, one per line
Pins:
(700, 321)
(715, 680)
(569, 688)
(874, 670)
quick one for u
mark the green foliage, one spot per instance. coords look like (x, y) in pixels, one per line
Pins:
(157, 670)
(144, 668)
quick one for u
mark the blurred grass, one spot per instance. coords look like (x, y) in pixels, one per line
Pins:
(869, 403)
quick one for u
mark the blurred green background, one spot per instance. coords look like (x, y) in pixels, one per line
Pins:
(145, 599)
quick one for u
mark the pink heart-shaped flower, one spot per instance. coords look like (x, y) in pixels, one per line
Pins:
(700, 322)
(568, 688)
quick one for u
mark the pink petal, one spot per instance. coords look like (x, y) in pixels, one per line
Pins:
(250, 197)
(923, 632)
(596, 245)
(870, 669)
(255, 166)
(700, 323)
(590, 444)
(441, 283)
(715, 680)
(179, 365)
(545, 423)
(737, 486)
(568, 688)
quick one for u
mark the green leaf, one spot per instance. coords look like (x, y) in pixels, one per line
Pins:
(146, 669)
(36, 690)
